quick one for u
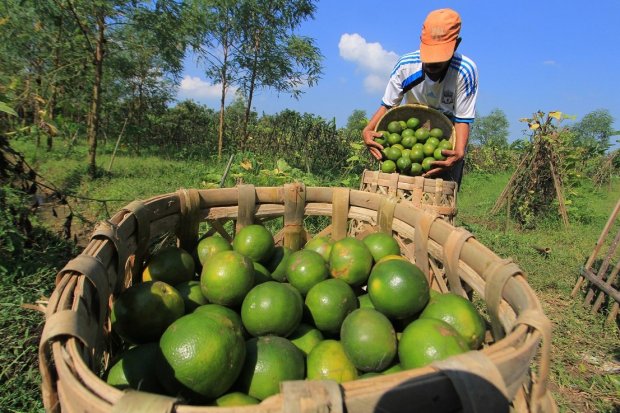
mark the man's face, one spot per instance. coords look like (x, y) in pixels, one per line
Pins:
(436, 70)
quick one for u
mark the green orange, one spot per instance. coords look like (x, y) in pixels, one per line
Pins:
(438, 155)
(305, 337)
(254, 241)
(364, 301)
(422, 134)
(427, 163)
(408, 141)
(436, 133)
(192, 295)
(227, 277)
(445, 144)
(407, 132)
(413, 123)
(416, 155)
(272, 308)
(394, 138)
(211, 245)
(134, 369)
(460, 313)
(351, 261)
(172, 265)
(427, 340)
(142, 312)
(320, 244)
(429, 149)
(305, 268)
(200, 354)
(393, 153)
(396, 368)
(269, 361)
(403, 164)
(328, 303)
(416, 169)
(388, 166)
(381, 244)
(235, 399)
(329, 361)
(220, 310)
(394, 127)
(398, 288)
(261, 274)
(369, 339)
(277, 263)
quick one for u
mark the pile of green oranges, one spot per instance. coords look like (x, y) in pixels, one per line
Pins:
(410, 148)
(224, 326)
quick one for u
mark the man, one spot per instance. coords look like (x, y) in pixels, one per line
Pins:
(437, 76)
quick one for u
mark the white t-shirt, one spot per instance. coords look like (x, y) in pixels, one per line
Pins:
(454, 95)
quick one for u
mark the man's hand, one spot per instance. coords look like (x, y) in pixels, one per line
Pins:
(375, 148)
(452, 157)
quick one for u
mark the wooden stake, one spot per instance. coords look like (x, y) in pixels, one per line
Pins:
(116, 146)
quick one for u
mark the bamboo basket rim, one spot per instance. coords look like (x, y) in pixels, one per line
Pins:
(66, 353)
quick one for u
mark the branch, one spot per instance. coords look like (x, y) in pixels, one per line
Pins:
(79, 23)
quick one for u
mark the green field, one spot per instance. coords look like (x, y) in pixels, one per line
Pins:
(585, 373)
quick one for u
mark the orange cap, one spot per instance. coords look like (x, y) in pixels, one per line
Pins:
(439, 33)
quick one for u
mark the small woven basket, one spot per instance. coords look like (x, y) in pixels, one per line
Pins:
(433, 195)
(76, 341)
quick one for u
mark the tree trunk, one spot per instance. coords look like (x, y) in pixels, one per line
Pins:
(248, 108)
(220, 132)
(93, 116)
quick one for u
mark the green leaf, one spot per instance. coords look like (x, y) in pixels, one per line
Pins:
(7, 109)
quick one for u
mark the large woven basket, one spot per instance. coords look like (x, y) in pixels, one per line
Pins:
(433, 195)
(76, 340)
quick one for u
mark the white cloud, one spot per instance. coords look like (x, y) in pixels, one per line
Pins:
(370, 58)
(549, 63)
(193, 87)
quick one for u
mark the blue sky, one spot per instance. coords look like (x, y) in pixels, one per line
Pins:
(531, 55)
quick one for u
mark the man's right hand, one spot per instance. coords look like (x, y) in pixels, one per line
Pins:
(375, 148)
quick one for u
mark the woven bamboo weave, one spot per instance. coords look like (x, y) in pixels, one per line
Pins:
(76, 341)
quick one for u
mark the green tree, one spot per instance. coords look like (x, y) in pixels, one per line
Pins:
(490, 130)
(273, 55)
(100, 20)
(217, 42)
(357, 121)
(594, 130)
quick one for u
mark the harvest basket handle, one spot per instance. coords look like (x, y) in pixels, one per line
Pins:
(95, 272)
(496, 276)
(539, 399)
(143, 230)
(109, 231)
(189, 208)
(60, 324)
(385, 214)
(420, 241)
(452, 253)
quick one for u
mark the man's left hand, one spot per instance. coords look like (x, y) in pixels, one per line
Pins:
(452, 158)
